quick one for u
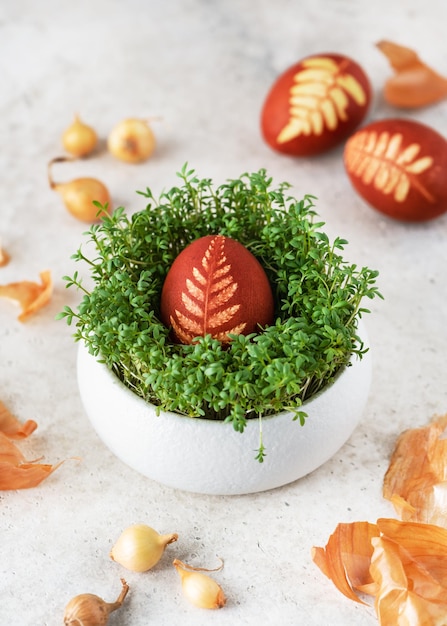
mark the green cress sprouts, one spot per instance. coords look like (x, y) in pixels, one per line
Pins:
(318, 300)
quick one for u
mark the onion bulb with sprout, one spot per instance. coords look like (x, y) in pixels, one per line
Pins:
(79, 139)
(200, 589)
(85, 198)
(132, 141)
(140, 547)
(88, 609)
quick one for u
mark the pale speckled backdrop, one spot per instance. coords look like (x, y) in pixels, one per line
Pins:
(203, 67)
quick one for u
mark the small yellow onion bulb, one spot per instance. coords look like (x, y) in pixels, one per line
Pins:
(140, 547)
(200, 589)
(88, 609)
(132, 141)
(79, 139)
(82, 196)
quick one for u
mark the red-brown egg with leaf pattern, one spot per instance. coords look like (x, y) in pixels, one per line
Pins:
(315, 105)
(399, 166)
(216, 286)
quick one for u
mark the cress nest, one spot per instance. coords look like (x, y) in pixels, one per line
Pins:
(317, 296)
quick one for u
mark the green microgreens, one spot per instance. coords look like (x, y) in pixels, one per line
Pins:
(317, 294)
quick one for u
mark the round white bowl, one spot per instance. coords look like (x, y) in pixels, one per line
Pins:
(209, 456)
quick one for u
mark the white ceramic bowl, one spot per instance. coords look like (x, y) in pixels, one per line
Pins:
(210, 457)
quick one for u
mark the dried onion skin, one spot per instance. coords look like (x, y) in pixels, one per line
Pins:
(414, 83)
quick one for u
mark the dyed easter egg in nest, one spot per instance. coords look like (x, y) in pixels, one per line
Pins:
(315, 104)
(398, 166)
(216, 286)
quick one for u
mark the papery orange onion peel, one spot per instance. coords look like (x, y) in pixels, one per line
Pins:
(402, 564)
(18, 473)
(30, 296)
(416, 479)
(347, 556)
(15, 471)
(12, 427)
(409, 566)
(414, 83)
(4, 256)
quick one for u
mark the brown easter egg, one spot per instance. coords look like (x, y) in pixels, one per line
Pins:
(315, 104)
(216, 286)
(399, 167)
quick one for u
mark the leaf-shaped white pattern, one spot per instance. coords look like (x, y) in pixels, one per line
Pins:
(319, 98)
(378, 159)
(206, 299)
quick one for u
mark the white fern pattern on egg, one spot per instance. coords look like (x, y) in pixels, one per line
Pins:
(207, 298)
(378, 159)
(319, 98)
